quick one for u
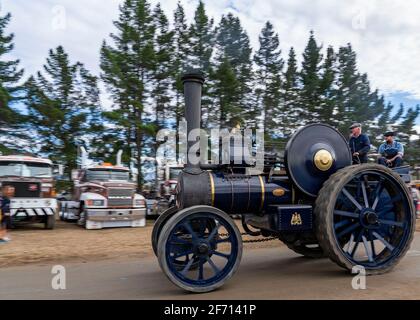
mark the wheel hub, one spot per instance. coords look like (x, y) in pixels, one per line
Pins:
(203, 249)
(369, 218)
(372, 218)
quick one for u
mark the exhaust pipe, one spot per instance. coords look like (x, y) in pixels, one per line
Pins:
(119, 157)
(83, 157)
(193, 85)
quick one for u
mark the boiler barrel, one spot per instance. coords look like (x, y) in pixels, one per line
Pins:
(232, 194)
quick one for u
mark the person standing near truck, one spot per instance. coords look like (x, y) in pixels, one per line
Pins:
(359, 144)
(6, 194)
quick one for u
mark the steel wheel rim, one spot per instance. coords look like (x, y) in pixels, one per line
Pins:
(371, 219)
(201, 247)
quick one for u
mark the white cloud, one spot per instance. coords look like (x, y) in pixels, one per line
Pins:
(384, 33)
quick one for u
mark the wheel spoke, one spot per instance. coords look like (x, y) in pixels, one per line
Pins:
(190, 230)
(380, 238)
(351, 198)
(366, 245)
(223, 240)
(392, 223)
(220, 254)
(385, 209)
(177, 240)
(211, 263)
(378, 192)
(214, 232)
(201, 270)
(341, 224)
(372, 245)
(202, 227)
(364, 193)
(350, 243)
(359, 237)
(348, 229)
(188, 266)
(185, 253)
(346, 214)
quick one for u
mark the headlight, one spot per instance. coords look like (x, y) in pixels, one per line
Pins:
(139, 203)
(95, 203)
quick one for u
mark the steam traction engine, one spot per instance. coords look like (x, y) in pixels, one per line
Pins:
(321, 206)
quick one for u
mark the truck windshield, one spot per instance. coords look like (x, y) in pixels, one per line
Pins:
(106, 175)
(25, 169)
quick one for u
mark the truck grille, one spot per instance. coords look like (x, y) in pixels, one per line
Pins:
(120, 197)
(25, 189)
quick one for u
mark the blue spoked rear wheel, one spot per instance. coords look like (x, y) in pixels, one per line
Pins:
(210, 245)
(365, 217)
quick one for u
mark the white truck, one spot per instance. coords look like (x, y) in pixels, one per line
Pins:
(104, 197)
(34, 193)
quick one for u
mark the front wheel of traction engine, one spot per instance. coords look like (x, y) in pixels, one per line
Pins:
(211, 245)
(365, 217)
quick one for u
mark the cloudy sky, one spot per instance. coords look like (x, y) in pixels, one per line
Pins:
(384, 33)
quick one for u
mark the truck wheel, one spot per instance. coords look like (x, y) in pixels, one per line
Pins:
(217, 251)
(365, 217)
(50, 222)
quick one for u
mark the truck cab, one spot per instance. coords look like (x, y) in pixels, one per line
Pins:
(105, 197)
(34, 191)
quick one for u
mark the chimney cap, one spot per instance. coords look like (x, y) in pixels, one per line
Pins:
(195, 76)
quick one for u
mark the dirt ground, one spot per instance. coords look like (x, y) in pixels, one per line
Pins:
(71, 243)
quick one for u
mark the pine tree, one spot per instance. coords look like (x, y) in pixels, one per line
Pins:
(127, 70)
(201, 51)
(10, 74)
(310, 79)
(163, 74)
(354, 99)
(232, 43)
(202, 39)
(327, 90)
(405, 131)
(180, 56)
(269, 69)
(226, 93)
(291, 95)
(163, 67)
(63, 105)
(347, 83)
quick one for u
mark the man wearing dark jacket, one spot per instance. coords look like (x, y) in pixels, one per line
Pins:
(359, 144)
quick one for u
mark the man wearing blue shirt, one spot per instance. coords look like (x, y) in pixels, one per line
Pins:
(391, 151)
(359, 144)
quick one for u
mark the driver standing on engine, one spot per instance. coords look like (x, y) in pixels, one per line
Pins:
(391, 152)
(359, 144)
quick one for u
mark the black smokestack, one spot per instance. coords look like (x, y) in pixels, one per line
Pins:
(193, 85)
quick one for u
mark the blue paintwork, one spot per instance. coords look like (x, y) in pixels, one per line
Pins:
(184, 242)
(385, 221)
(244, 194)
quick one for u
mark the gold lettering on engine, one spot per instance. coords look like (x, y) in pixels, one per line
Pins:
(296, 220)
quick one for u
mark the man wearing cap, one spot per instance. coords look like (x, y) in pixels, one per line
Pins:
(391, 151)
(359, 144)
